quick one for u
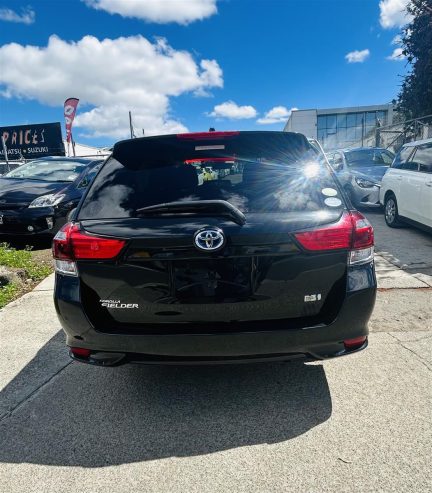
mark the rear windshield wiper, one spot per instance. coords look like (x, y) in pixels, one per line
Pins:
(204, 207)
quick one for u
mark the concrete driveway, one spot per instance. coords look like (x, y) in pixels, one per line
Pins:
(356, 424)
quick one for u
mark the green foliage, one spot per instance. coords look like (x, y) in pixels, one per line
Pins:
(22, 259)
(8, 293)
(415, 98)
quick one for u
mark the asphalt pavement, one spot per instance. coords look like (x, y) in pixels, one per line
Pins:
(362, 423)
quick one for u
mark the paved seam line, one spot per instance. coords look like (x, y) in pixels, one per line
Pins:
(9, 413)
(422, 361)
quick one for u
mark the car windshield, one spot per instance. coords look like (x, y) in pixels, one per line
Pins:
(270, 184)
(48, 170)
(369, 157)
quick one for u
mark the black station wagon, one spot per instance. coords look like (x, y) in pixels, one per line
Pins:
(263, 260)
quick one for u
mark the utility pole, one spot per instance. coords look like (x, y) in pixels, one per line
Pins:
(5, 153)
(130, 125)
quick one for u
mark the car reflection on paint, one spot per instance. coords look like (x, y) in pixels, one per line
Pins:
(37, 198)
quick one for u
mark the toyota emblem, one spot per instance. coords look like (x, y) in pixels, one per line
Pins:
(209, 239)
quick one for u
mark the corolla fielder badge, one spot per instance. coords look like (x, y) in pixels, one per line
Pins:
(209, 239)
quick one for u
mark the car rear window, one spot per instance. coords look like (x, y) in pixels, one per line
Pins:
(257, 173)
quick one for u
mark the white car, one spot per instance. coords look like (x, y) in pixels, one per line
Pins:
(406, 189)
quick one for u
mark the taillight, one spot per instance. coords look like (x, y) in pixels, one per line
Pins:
(353, 232)
(70, 244)
(363, 234)
(333, 237)
(207, 135)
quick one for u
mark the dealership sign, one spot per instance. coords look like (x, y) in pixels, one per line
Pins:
(32, 141)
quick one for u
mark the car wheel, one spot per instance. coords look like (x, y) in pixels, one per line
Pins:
(391, 214)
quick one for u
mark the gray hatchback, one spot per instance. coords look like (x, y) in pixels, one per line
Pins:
(360, 171)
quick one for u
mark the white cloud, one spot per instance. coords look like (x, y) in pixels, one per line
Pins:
(357, 56)
(112, 75)
(397, 55)
(278, 114)
(159, 11)
(393, 13)
(232, 111)
(397, 40)
(27, 15)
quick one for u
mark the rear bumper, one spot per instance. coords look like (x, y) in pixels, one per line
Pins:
(310, 343)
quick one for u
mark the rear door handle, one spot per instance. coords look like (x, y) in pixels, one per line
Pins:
(399, 177)
(429, 183)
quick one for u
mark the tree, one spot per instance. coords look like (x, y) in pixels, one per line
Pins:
(415, 97)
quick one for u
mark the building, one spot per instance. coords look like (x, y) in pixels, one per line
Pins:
(84, 150)
(340, 127)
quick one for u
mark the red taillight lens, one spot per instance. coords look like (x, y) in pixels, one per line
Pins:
(352, 230)
(207, 135)
(70, 243)
(363, 234)
(332, 237)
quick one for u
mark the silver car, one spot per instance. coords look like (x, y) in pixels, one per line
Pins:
(360, 171)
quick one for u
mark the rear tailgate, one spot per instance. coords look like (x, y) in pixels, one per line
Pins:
(261, 274)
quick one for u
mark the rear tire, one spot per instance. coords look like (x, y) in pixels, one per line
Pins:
(391, 213)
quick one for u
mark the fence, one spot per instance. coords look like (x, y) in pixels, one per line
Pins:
(393, 137)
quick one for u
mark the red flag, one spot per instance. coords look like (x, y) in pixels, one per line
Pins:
(70, 107)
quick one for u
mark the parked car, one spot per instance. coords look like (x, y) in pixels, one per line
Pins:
(406, 191)
(36, 199)
(360, 171)
(269, 264)
(5, 167)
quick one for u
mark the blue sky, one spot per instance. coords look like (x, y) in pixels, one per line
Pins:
(193, 64)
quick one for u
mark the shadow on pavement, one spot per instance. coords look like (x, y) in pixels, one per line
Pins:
(96, 417)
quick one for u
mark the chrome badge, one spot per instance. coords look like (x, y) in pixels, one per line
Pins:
(209, 239)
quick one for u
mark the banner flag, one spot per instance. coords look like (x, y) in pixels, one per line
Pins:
(70, 107)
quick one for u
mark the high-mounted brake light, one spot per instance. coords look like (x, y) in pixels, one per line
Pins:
(210, 160)
(70, 244)
(207, 135)
(352, 232)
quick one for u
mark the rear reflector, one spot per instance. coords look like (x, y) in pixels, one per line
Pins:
(352, 231)
(70, 243)
(207, 135)
(80, 352)
(355, 343)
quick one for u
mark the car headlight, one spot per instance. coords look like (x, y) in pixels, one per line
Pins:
(47, 200)
(363, 183)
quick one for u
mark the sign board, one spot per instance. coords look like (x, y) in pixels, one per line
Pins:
(32, 141)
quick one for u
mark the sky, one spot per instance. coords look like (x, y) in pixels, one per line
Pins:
(187, 65)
